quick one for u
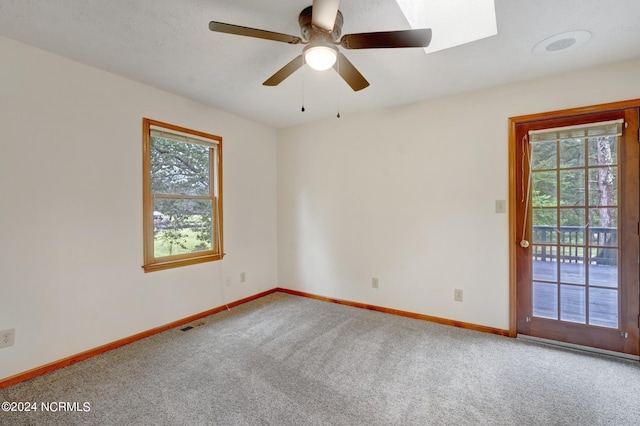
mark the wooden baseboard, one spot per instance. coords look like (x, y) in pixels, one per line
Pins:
(38, 371)
(398, 312)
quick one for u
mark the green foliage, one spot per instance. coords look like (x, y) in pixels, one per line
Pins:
(179, 168)
(542, 216)
(544, 156)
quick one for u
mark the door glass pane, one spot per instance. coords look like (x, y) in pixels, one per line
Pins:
(603, 267)
(603, 227)
(572, 153)
(543, 155)
(603, 307)
(572, 187)
(572, 303)
(545, 300)
(572, 272)
(603, 186)
(545, 263)
(544, 192)
(545, 229)
(603, 150)
(573, 222)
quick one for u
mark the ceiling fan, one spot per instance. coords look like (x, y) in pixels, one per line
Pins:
(321, 27)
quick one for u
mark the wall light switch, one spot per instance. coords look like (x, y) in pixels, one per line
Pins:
(501, 206)
(457, 295)
(375, 282)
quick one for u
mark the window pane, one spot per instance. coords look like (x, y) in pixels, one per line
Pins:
(572, 228)
(603, 267)
(545, 300)
(603, 227)
(603, 307)
(187, 226)
(543, 155)
(544, 189)
(603, 186)
(545, 225)
(545, 263)
(572, 153)
(572, 303)
(572, 267)
(572, 188)
(179, 168)
(572, 223)
(603, 151)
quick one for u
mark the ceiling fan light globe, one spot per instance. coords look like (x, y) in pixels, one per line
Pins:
(320, 58)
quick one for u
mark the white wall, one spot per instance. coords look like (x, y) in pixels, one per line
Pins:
(71, 209)
(408, 195)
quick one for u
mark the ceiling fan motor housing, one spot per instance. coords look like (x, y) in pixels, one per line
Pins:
(310, 33)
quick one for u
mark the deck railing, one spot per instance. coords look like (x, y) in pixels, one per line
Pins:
(572, 244)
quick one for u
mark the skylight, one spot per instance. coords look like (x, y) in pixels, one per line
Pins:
(453, 22)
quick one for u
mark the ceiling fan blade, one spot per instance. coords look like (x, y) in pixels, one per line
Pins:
(284, 72)
(387, 39)
(221, 27)
(350, 74)
(324, 13)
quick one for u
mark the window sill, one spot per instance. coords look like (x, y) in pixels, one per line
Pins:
(176, 263)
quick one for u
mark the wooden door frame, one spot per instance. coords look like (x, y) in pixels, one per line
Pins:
(513, 237)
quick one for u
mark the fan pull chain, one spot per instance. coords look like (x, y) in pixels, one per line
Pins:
(302, 80)
(338, 89)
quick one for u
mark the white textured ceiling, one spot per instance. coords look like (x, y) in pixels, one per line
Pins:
(167, 44)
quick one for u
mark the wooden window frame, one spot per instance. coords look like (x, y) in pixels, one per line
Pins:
(152, 263)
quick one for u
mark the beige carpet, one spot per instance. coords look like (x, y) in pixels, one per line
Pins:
(287, 360)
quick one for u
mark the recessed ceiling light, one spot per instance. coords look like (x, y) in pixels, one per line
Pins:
(562, 41)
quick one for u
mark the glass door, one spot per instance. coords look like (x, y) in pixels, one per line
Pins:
(578, 212)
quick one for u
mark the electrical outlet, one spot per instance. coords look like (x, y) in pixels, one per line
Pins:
(7, 337)
(457, 295)
(243, 277)
(375, 282)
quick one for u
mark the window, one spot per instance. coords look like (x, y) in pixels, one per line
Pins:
(182, 180)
